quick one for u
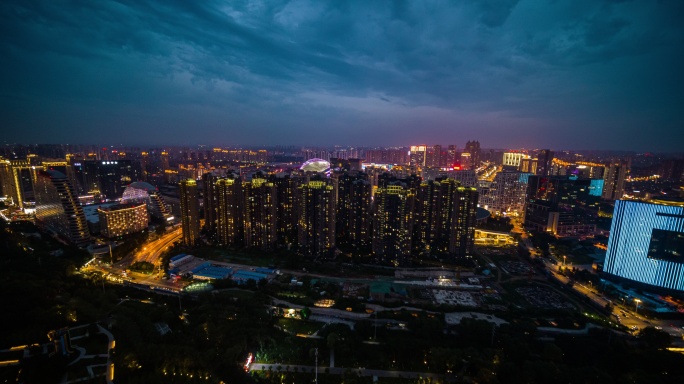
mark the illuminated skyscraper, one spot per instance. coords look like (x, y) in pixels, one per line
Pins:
(165, 161)
(646, 243)
(286, 216)
(506, 194)
(418, 155)
(58, 209)
(444, 218)
(452, 156)
(473, 148)
(5, 177)
(260, 214)
(354, 209)
(144, 159)
(189, 211)
(108, 178)
(209, 203)
(544, 162)
(316, 218)
(229, 211)
(614, 180)
(433, 156)
(463, 219)
(20, 176)
(393, 224)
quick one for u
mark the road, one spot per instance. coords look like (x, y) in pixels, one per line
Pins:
(154, 249)
(340, 371)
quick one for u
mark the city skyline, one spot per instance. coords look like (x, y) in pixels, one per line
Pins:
(566, 75)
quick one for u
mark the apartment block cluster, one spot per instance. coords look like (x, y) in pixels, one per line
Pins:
(318, 212)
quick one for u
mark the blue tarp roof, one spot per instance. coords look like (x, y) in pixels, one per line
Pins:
(178, 257)
(246, 275)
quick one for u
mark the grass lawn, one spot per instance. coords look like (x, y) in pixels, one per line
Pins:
(299, 326)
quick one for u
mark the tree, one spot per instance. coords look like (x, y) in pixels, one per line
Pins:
(654, 338)
(305, 313)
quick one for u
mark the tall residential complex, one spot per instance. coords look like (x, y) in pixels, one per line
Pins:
(544, 162)
(614, 180)
(260, 214)
(58, 209)
(444, 219)
(393, 224)
(646, 243)
(354, 198)
(189, 205)
(315, 202)
(505, 194)
(473, 149)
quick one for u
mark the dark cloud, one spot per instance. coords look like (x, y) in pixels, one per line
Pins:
(518, 73)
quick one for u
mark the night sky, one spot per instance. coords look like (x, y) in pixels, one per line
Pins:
(563, 74)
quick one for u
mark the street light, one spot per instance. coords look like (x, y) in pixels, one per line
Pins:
(636, 305)
(564, 257)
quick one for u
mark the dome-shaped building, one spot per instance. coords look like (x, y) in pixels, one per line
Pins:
(142, 192)
(316, 165)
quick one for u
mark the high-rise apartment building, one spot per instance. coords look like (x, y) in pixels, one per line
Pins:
(354, 209)
(646, 243)
(418, 155)
(58, 209)
(505, 194)
(189, 204)
(144, 161)
(229, 211)
(544, 162)
(433, 157)
(393, 224)
(315, 203)
(463, 220)
(286, 215)
(473, 149)
(451, 156)
(440, 227)
(260, 220)
(614, 180)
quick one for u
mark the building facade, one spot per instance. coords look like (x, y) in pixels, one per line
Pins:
(315, 202)
(189, 205)
(646, 243)
(393, 224)
(58, 209)
(123, 219)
